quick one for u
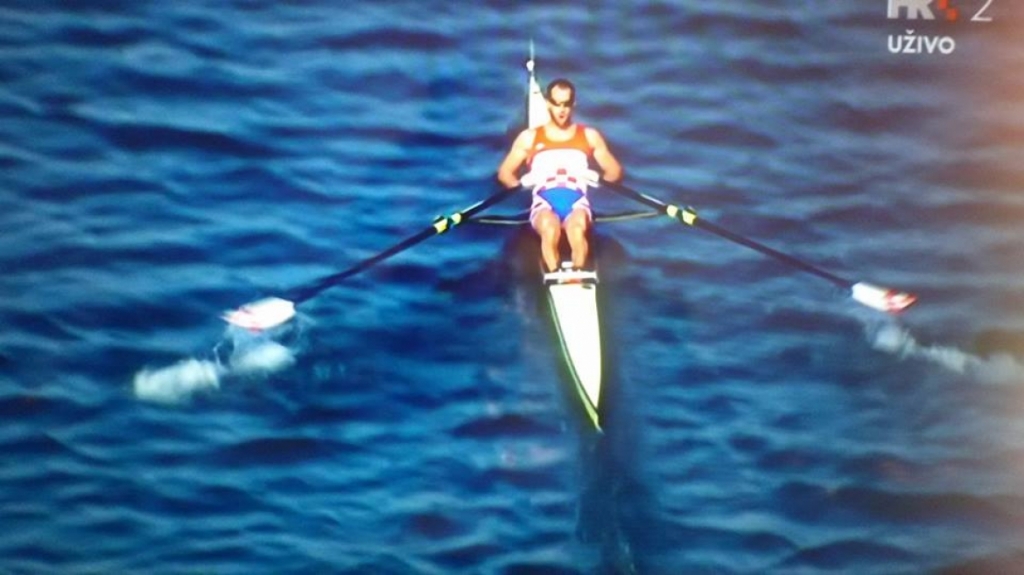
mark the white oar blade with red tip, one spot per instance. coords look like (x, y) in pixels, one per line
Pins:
(261, 314)
(881, 298)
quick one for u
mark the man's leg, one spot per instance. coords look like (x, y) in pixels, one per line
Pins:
(577, 225)
(549, 228)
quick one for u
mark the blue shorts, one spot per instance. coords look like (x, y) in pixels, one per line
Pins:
(561, 200)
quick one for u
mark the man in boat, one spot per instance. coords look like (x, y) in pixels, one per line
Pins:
(559, 155)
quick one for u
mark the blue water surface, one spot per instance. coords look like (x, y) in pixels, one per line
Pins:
(163, 162)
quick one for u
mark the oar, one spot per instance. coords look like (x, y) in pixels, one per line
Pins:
(274, 311)
(873, 296)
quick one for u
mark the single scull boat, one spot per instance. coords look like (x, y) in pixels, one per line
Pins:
(571, 294)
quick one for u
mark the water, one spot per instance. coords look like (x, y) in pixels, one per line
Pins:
(162, 163)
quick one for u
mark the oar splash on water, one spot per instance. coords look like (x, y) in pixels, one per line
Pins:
(241, 353)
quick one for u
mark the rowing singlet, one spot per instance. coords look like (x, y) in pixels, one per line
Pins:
(559, 165)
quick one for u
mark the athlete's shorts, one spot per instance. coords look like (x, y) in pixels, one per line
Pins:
(560, 200)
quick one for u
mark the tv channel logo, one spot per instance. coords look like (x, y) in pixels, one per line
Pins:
(933, 10)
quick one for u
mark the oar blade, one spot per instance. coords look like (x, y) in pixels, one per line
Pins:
(261, 314)
(882, 298)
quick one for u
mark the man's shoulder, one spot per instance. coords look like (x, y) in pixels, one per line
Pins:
(525, 138)
(592, 134)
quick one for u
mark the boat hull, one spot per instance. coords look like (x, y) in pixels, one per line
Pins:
(574, 313)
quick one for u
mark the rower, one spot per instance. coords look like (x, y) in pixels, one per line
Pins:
(559, 155)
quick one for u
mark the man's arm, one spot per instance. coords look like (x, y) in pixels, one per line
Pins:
(507, 171)
(610, 167)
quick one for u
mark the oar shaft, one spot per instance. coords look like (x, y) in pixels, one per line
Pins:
(308, 291)
(689, 217)
(771, 252)
(441, 225)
